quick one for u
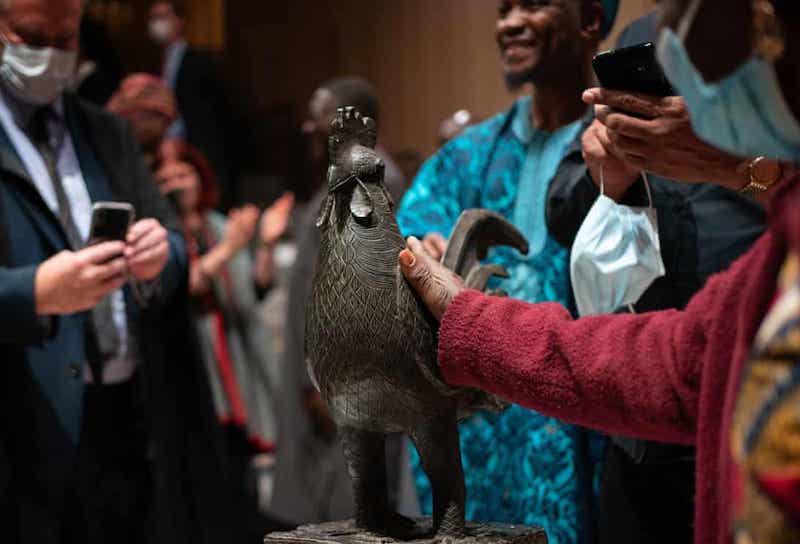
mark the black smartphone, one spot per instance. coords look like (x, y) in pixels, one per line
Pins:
(633, 69)
(110, 222)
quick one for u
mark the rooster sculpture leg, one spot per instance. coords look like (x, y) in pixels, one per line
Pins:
(438, 447)
(365, 453)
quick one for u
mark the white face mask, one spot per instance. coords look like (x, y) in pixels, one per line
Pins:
(160, 30)
(37, 75)
(616, 255)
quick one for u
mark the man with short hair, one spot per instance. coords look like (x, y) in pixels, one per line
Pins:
(202, 103)
(521, 467)
(95, 403)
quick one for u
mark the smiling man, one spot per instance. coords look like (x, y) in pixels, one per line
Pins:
(521, 467)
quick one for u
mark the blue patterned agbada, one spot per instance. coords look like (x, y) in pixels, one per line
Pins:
(520, 466)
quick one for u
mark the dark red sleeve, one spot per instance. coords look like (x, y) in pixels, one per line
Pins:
(635, 375)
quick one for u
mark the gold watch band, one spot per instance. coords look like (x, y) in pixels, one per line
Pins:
(761, 175)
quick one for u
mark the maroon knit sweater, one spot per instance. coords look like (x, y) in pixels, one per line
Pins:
(668, 376)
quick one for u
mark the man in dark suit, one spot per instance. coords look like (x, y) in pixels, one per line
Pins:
(98, 413)
(193, 77)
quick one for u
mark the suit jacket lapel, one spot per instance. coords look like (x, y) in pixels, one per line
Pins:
(13, 172)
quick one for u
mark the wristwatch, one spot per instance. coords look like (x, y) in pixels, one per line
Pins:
(762, 174)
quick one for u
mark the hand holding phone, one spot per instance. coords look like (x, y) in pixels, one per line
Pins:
(147, 249)
(110, 222)
(71, 282)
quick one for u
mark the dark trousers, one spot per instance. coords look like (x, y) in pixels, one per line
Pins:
(648, 502)
(110, 496)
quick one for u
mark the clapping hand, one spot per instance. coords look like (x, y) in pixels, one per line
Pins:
(241, 227)
(276, 219)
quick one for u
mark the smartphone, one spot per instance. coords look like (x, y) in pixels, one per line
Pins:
(110, 222)
(633, 69)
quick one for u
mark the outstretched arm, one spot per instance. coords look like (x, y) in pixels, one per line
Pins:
(636, 375)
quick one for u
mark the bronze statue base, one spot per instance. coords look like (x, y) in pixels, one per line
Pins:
(345, 532)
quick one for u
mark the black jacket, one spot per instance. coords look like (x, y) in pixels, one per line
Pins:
(207, 114)
(40, 383)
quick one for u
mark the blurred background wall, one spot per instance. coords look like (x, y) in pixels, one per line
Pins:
(426, 58)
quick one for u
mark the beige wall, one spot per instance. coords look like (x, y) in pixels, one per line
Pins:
(206, 24)
(428, 58)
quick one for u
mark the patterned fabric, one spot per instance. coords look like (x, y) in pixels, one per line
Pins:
(520, 466)
(765, 438)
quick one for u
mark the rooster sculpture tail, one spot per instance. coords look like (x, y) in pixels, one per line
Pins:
(475, 233)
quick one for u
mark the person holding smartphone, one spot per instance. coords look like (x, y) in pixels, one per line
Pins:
(707, 217)
(101, 396)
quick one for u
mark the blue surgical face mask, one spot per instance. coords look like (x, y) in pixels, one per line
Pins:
(745, 113)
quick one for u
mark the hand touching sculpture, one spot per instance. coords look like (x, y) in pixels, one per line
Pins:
(435, 244)
(436, 285)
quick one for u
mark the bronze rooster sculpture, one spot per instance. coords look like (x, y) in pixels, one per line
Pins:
(370, 342)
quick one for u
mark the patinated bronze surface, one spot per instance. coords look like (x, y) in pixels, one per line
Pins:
(371, 344)
(345, 532)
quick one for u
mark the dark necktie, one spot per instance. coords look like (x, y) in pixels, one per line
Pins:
(104, 337)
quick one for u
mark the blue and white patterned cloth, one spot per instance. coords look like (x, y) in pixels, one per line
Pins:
(520, 466)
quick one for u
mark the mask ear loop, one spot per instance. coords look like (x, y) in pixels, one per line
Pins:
(688, 19)
(602, 179)
(647, 189)
(646, 180)
(631, 309)
(646, 186)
